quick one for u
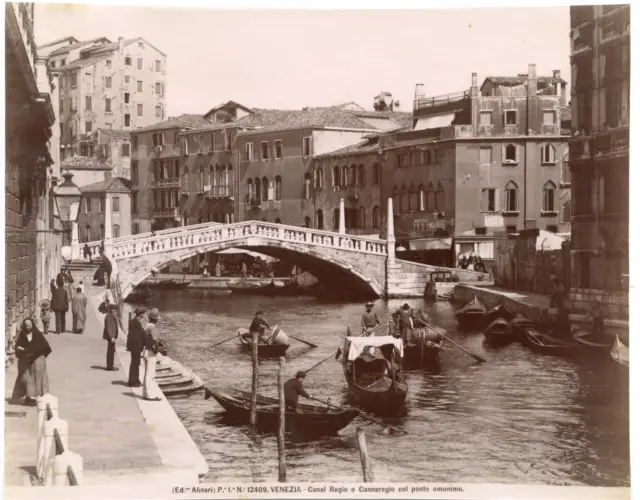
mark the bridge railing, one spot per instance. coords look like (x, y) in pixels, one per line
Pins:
(210, 233)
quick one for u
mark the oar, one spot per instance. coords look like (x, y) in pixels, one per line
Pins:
(230, 338)
(477, 358)
(303, 341)
(386, 427)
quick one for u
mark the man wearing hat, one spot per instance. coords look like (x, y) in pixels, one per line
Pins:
(150, 390)
(110, 334)
(369, 319)
(259, 325)
(135, 345)
(405, 321)
(292, 389)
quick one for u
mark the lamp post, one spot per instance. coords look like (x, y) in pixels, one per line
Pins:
(67, 198)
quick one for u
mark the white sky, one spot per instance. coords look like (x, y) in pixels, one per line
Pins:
(290, 59)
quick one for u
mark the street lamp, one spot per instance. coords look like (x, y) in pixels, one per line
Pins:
(67, 197)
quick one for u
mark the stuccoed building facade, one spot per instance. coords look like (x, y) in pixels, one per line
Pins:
(32, 257)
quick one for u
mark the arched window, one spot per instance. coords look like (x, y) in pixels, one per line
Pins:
(375, 223)
(440, 197)
(377, 174)
(210, 182)
(511, 197)
(510, 154)
(258, 190)
(307, 221)
(411, 204)
(335, 180)
(115, 229)
(201, 178)
(360, 175)
(200, 217)
(404, 200)
(319, 178)
(229, 180)
(102, 231)
(87, 233)
(135, 228)
(306, 191)
(250, 194)
(278, 221)
(185, 218)
(185, 180)
(549, 197)
(566, 211)
(265, 189)
(345, 176)
(353, 175)
(336, 218)
(319, 219)
(278, 188)
(431, 197)
(216, 183)
(422, 199)
(548, 153)
(362, 218)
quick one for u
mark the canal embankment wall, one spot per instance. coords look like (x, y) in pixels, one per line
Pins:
(529, 305)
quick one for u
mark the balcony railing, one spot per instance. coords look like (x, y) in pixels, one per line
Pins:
(457, 131)
(484, 130)
(353, 192)
(611, 142)
(167, 183)
(579, 148)
(550, 129)
(428, 102)
(166, 213)
(218, 192)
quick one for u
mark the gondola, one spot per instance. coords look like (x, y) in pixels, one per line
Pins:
(592, 342)
(276, 347)
(372, 367)
(472, 315)
(620, 353)
(498, 311)
(519, 324)
(499, 331)
(423, 348)
(271, 290)
(543, 343)
(310, 418)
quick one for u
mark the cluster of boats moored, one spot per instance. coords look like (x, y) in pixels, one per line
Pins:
(500, 326)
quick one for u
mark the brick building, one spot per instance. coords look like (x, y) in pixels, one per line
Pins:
(32, 256)
(599, 149)
(479, 161)
(111, 85)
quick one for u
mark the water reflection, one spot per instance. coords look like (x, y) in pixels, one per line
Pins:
(519, 418)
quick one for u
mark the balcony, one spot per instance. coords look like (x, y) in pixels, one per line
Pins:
(255, 203)
(579, 148)
(217, 192)
(511, 130)
(613, 142)
(167, 183)
(581, 39)
(353, 192)
(429, 102)
(457, 131)
(485, 130)
(166, 213)
(550, 130)
(581, 14)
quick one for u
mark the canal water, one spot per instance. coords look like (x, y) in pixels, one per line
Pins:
(521, 418)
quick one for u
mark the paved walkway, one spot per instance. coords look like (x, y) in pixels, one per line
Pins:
(118, 434)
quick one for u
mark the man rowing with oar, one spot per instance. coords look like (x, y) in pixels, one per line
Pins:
(258, 325)
(369, 320)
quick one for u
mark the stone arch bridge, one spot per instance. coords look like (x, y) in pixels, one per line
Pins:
(364, 264)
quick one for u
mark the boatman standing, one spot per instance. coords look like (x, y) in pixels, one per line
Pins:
(292, 389)
(369, 319)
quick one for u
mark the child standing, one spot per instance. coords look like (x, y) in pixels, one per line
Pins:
(45, 315)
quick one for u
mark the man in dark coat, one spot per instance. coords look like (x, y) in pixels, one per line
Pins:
(110, 334)
(292, 389)
(60, 306)
(135, 345)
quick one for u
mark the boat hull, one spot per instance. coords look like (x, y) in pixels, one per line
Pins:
(471, 320)
(545, 344)
(382, 395)
(311, 419)
(620, 353)
(266, 350)
(499, 332)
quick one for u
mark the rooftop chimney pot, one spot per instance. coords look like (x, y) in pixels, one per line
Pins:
(532, 71)
(556, 73)
(474, 79)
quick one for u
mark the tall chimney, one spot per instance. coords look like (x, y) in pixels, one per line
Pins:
(532, 81)
(532, 71)
(474, 84)
(419, 94)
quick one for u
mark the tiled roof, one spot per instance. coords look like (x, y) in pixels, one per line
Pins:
(54, 42)
(116, 133)
(81, 63)
(277, 119)
(363, 147)
(185, 120)
(405, 119)
(84, 163)
(114, 185)
(69, 48)
(520, 79)
(228, 104)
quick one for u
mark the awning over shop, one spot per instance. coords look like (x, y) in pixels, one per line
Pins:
(437, 121)
(431, 244)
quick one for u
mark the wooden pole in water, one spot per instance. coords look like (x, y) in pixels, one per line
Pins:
(282, 466)
(364, 456)
(254, 385)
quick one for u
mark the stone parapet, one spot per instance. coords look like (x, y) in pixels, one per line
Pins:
(614, 303)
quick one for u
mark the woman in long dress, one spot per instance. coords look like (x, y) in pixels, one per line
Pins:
(79, 310)
(32, 350)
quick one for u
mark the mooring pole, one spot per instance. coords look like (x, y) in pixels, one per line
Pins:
(282, 466)
(254, 385)
(364, 456)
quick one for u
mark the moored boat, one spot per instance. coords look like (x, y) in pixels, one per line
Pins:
(541, 342)
(471, 316)
(520, 323)
(372, 367)
(310, 418)
(423, 349)
(499, 331)
(275, 347)
(273, 289)
(499, 311)
(620, 352)
(592, 341)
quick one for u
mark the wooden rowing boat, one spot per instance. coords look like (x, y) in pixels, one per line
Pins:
(372, 367)
(499, 331)
(519, 324)
(310, 419)
(593, 342)
(620, 353)
(423, 350)
(471, 316)
(275, 348)
(498, 311)
(541, 342)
